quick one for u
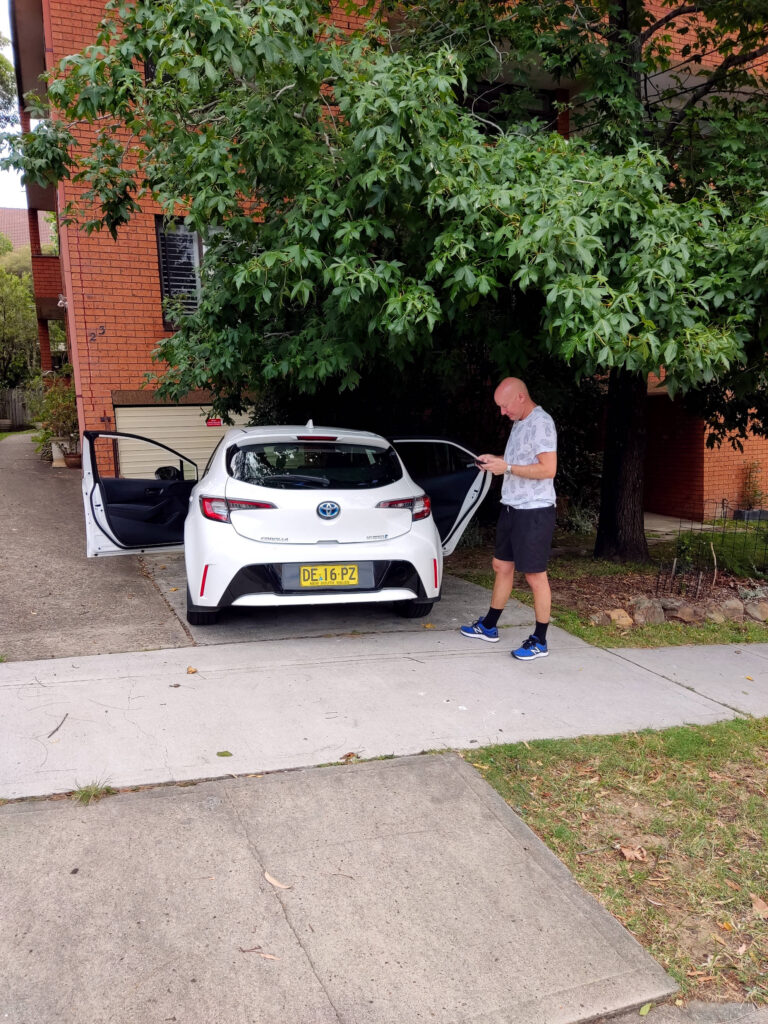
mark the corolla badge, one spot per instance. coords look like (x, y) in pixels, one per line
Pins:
(328, 509)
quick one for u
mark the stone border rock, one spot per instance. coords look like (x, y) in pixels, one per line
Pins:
(651, 611)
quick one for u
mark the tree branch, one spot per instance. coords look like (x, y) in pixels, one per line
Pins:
(679, 12)
(710, 84)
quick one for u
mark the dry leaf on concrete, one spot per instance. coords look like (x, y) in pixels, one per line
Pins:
(191, 671)
(274, 881)
(759, 906)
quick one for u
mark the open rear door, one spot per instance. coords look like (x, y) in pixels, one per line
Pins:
(447, 472)
(135, 494)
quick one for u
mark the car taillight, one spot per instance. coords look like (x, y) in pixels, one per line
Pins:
(421, 507)
(219, 509)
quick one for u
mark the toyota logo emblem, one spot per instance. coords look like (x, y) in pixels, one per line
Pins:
(328, 509)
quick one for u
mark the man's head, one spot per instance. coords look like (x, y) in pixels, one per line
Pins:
(513, 399)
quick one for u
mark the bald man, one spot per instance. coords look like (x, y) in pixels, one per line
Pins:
(527, 517)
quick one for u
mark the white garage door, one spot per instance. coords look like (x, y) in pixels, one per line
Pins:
(181, 427)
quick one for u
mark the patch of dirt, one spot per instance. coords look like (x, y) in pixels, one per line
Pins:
(586, 592)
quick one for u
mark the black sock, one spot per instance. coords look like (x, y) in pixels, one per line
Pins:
(541, 631)
(490, 620)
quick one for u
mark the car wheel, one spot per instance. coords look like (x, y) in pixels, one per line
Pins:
(197, 616)
(413, 609)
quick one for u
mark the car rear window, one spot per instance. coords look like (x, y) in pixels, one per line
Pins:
(314, 465)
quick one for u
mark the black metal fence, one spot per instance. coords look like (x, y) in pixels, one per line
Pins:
(732, 542)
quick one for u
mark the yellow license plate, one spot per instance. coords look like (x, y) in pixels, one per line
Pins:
(328, 575)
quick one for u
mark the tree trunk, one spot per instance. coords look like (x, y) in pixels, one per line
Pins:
(620, 530)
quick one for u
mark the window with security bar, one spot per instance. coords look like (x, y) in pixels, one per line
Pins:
(179, 252)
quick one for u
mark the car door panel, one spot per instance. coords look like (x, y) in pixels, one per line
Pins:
(127, 510)
(447, 472)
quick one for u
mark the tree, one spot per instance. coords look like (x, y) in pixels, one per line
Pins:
(686, 78)
(8, 102)
(17, 261)
(18, 330)
(357, 212)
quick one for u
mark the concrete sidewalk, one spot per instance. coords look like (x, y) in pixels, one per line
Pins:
(162, 716)
(392, 892)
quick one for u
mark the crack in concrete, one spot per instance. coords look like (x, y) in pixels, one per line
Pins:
(676, 682)
(286, 916)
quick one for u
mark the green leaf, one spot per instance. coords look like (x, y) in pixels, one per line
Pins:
(223, 753)
(645, 1010)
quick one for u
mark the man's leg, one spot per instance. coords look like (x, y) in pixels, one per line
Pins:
(485, 628)
(503, 583)
(542, 595)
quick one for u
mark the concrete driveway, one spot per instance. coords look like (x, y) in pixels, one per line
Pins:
(53, 601)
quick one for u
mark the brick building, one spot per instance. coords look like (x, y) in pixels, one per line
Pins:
(111, 293)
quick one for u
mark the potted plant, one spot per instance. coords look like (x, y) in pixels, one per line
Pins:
(752, 495)
(59, 416)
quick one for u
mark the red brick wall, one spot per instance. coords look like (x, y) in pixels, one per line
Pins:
(725, 471)
(46, 273)
(674, 464)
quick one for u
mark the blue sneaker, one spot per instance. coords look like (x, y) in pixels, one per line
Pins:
(530, 649)
(477, 631)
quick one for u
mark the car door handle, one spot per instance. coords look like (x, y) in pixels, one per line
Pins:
(153, 490)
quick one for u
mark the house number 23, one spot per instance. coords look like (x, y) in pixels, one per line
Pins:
(101, 329)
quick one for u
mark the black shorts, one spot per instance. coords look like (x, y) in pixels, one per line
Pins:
(524, 536)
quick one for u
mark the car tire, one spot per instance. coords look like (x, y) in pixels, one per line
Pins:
(197, 616)
(413, 609)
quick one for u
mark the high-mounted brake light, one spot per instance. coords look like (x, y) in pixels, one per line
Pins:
(219, 509)
(315, 437)
(421, 506)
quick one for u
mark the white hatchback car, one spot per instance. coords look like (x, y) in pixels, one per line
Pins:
(287, 514)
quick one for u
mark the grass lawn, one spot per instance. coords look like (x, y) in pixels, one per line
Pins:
(669, 831)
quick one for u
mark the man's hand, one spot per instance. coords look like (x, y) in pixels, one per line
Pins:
(491, 464)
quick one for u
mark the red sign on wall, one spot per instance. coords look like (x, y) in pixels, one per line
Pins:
(213, 422)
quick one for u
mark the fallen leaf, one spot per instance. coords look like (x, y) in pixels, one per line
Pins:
(427, 625)
(257, 949)
(482, 767)
(732, 885)
(274, 881)
(742, 949)
(223, 753)
(655, 903)
(349, 756)
(759, 906)
(645, 1010)
(633, 853)
(174, 686)
(725, 925)
(191, 671)
(679, 1002)
(749, 678)
(173, 589)
(718, 939)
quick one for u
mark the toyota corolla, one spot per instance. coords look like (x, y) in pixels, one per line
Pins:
(286, 514)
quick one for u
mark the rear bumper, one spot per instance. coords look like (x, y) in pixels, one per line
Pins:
(262, 584)
(245, 572)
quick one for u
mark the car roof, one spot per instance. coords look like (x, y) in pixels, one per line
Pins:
(292, 432)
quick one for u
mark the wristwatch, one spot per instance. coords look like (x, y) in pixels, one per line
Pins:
(507, 470)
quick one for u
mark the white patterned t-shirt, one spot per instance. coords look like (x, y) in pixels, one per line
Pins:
(527, 439)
